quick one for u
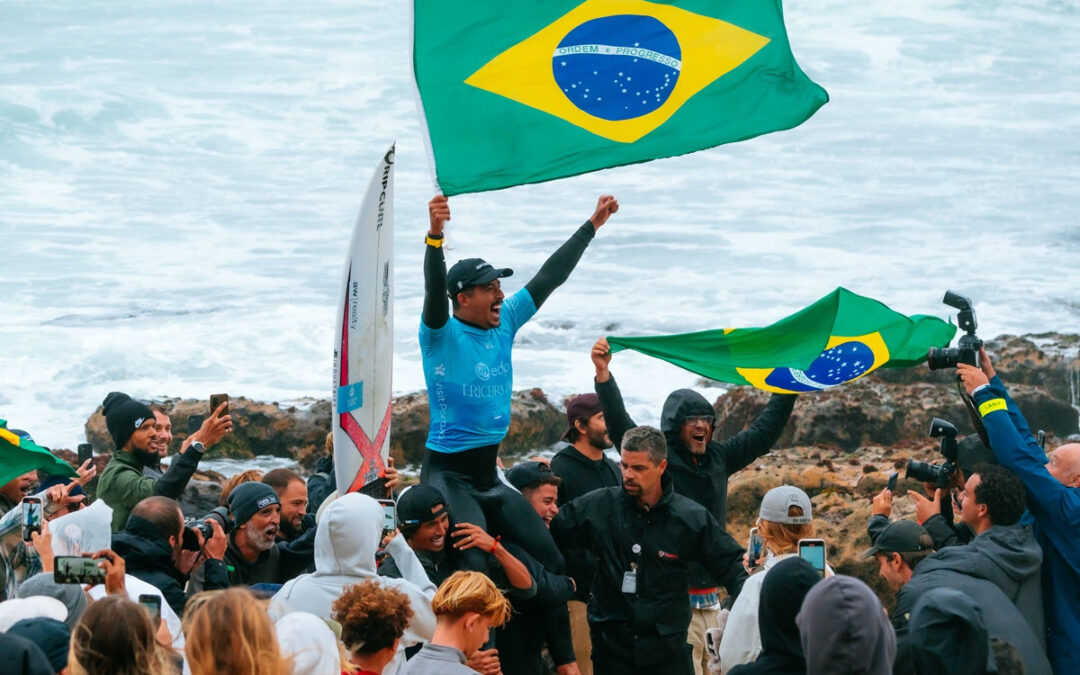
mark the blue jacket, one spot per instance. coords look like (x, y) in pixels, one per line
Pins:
(1056, 512)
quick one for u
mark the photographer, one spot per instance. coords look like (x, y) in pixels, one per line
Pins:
(253, 556)
(1053, 498)
(999, 569)
(162, 551)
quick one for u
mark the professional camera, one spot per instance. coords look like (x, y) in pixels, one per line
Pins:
(220, 514)
(937, 474)
(968, 346)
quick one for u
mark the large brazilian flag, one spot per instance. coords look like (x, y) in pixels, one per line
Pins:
(838, 339)
(523, 91)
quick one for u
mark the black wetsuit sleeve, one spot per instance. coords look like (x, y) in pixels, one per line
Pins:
(436, 303)
(611, 402)
(557, 635)
(876, 526)
(556, 270)
(749, 444)
(172, 482)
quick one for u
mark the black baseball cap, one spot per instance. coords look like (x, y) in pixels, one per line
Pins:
(415, 504)
(472, 272)
(902, 536)
(526, 474)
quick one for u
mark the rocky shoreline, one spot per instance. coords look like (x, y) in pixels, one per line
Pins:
(840, 445)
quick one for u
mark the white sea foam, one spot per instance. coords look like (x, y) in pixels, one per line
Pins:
(178, 181)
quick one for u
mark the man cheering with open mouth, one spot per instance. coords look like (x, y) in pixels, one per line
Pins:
(469, 376)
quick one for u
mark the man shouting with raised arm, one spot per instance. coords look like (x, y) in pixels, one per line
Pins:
(469, 375)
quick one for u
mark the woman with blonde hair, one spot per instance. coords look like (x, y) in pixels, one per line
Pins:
(785, 517)
(115, 636)
(467, 606)
(249, 476)
(229, 633)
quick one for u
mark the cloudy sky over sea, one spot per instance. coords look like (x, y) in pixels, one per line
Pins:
(178, 181)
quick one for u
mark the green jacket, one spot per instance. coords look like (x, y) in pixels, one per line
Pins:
(122, 484)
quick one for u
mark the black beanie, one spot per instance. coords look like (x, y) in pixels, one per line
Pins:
(249, 498)
(123, 415)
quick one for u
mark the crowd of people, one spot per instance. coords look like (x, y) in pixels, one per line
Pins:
(576, 564)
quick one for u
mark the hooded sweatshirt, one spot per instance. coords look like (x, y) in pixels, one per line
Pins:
(782, 596)
(345, 544)
(843, 630)
(702, 478)
(742, 641)
(1009, 557)
(948, 634)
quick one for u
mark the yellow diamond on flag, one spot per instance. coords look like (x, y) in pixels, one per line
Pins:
(618, 68)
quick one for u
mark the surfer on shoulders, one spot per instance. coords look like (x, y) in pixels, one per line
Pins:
(469, 376)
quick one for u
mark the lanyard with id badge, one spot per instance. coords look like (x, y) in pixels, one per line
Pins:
(629, 579)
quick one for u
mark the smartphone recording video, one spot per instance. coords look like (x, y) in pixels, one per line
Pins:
(70, 569)
(31, 517)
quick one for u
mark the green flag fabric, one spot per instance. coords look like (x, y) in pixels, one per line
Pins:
(838, 339)
(520, 91)
(20, 455)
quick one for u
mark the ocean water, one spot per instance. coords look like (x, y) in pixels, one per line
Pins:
(178, 180)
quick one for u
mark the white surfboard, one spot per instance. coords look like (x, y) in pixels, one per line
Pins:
(364, 342)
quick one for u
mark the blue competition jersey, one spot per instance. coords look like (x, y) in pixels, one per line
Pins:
(470, 377)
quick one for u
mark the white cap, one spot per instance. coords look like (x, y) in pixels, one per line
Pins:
(774, 507)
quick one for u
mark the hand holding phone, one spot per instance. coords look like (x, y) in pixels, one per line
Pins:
(73, 569)
(389, 517)
(86, 451)
(215, 402)
(32, 517)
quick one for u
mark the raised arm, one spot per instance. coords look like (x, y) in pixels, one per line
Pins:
(749, 444)
(611, 401)
(436, 308)
(556, 270)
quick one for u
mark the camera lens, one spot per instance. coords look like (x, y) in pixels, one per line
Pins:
(943, 357)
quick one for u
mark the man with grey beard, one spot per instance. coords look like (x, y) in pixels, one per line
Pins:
(253, 556)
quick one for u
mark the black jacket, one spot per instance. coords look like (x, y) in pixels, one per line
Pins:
(581, 475)
(148, 556)
(438, 566)
(703, 478)
(671, 535)
(536, 621)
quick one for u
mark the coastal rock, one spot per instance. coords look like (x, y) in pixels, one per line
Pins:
(299, 430)
(1047, 360)
(873, 412)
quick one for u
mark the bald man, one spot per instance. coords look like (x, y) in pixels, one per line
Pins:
(1053, 498)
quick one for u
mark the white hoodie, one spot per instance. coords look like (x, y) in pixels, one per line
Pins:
(345, 543)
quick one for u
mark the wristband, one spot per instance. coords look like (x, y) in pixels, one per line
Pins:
(992, 405)
(435, 240)
(495, 545)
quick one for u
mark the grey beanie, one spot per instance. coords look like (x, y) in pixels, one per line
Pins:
(71, 595)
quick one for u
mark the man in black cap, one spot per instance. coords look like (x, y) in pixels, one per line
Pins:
(423, 521)
(898, 548)
(253, 555)
(469, 374)
(132, 426)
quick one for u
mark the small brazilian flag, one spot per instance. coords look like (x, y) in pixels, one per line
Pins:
(838, 339)
(19, 454)
(523, 91)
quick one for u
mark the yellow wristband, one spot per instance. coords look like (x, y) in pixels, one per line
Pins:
(434, 241)
(992, 405)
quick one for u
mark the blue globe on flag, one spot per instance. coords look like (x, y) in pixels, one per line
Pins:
(618, 67)
(838, 365)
